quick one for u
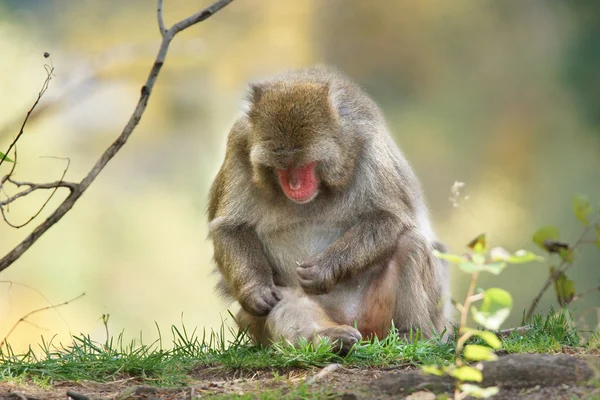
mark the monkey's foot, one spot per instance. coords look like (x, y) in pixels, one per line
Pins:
(343, 337)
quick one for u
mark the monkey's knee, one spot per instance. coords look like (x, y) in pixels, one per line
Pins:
(379, 303)
(423, 282)
(293, 317)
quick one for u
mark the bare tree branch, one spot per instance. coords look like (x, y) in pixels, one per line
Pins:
(31, 188)
(161, 21)
(29, 314)
(35, 186)
(585, 292)
(49, 74)
(78, 189)
(42, 295)
(91, 73)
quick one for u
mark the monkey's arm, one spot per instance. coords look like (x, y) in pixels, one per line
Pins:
(238, 251)
(243, 264)
(372, 239)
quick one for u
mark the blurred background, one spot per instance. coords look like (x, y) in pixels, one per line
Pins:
(504, 96)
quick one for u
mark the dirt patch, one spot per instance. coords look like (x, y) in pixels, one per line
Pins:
(522, 376)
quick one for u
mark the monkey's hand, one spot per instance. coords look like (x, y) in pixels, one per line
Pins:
(258, 300)
(317, 276)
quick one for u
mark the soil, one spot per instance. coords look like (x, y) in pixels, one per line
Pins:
(520, 376)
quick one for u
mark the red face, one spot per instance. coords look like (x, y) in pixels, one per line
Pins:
(299, 184)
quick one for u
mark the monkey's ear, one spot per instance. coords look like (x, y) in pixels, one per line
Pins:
(338, 100)
(334, 98)
(256, 92)
(252, 98)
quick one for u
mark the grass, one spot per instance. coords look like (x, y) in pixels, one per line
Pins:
(84, 359)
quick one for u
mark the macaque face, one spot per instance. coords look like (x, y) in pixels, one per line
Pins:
(293, 139)
(294, 173)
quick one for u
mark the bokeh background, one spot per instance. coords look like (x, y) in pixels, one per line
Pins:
(504, 96)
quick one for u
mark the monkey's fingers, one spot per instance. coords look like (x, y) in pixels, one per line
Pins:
(305, 272)
(258, 307)
(269, 297)
(260, 301)
(310, 281)
(277, 294)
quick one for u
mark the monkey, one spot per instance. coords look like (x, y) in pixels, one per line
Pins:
(318, 222)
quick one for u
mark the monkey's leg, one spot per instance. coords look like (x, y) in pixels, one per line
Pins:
(298, 315)
(410, 288)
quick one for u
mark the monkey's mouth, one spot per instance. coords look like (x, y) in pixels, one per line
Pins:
(299, 184)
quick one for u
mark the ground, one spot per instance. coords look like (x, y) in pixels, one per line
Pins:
(549, 360)
(550, 377)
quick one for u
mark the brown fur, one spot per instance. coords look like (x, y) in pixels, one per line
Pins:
(360, 252)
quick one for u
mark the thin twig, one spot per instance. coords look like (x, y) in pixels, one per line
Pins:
(507, 332)
(36, 186)
(49, 73)
(29, 314)
(469, 299)
(588, 291)
(42, 295)
(12, 169)
(323, 373)
(91, 73)
(161, 21)
(562, 267)
(32, 187)
(110, 152)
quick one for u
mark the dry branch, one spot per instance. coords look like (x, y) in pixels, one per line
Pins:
(31, 187)
(29, 314)
(49, 74)
(78, 189)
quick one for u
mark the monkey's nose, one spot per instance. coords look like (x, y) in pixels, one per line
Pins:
(296, 177)
(295, 183)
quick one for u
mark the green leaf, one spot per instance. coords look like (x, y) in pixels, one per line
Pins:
(491, 321)
(495, 308)
(582, 208)
(479, 244)
(494, 268)
(479, 392)
(496, 298)
(597, 235)
(567, 254)
(467, 373)
(519, 257)
(478, 258)
(476, 352)
(545, 233)
(564, 288)
(5, 159)
(489, 337)
(452, 258)
(523, 256)
(432, 370)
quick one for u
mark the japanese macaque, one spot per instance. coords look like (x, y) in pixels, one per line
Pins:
(318, 222)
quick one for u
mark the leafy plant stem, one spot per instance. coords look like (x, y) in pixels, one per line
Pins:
(464, 313)
(562, 267)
